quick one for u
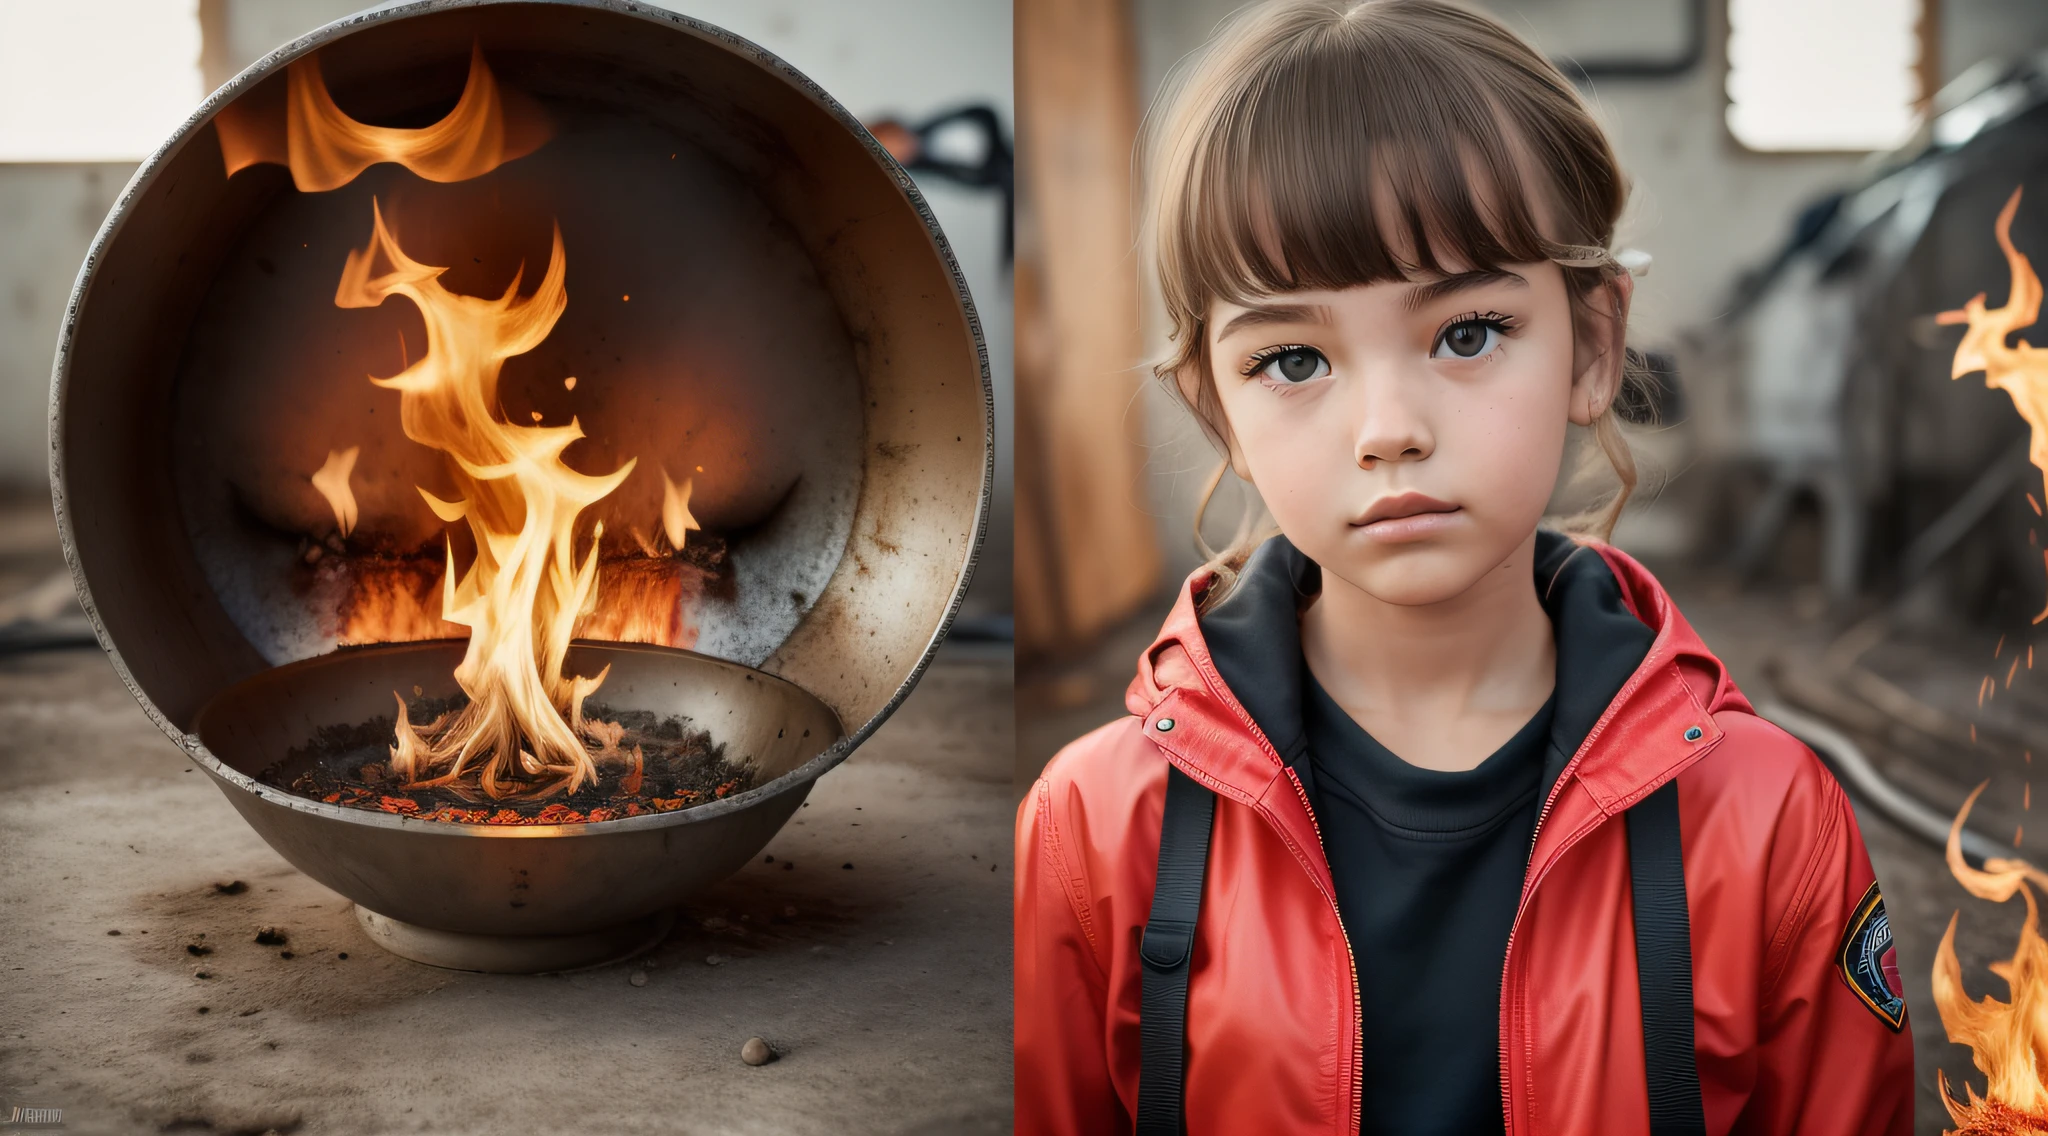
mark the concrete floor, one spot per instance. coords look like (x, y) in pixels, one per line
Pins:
(887, 993)
(1746, 627)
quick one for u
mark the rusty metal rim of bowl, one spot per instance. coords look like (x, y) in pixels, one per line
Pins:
(403, 9)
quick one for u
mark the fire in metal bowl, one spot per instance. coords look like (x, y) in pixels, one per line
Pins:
(757, 299)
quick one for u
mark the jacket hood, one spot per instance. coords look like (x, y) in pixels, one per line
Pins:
(1631, 744)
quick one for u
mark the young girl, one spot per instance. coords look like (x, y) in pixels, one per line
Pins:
(1427, 820)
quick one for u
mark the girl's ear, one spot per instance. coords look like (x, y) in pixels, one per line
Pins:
(1599, 349)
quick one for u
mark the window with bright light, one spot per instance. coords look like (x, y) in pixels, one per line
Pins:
(1823, 74)
(95, 80)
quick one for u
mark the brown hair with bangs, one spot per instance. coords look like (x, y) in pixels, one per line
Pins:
(1304, 123)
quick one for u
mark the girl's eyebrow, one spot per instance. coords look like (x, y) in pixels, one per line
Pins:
(1423, 294)
(1276, 313)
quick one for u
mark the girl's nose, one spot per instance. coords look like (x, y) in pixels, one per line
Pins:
(1390, 426)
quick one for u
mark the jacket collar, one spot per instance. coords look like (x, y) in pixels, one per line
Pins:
(1633, 744)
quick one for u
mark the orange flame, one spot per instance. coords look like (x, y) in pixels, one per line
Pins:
(331, 479)
(397, 599)
(676, 520)
(2020, 370)
(325, 148)
(526, 588)
(2008, 1040)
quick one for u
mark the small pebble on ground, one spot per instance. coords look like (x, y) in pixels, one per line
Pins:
(757, 1052)
(271, 936)
(638, 978)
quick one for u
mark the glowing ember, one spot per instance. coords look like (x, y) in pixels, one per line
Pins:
(325, 148)
(331, 479)
(526, 588)
(2020, 370)
(655, 766)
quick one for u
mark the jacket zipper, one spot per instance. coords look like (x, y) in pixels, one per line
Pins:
(1529, 885)
(1357, 1025)
(1350, 957)
(1507, 960)
(1508, 956)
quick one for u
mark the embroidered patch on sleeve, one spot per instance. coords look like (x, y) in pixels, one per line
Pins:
(1870, 964)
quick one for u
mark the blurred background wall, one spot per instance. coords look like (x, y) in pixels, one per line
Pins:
(88, 89)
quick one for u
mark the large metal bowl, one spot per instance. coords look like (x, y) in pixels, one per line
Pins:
(141, 339)
(515, 897)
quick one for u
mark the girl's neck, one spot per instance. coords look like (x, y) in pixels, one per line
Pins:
(1444, 685)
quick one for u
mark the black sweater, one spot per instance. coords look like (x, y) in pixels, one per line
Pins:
(1428, 865)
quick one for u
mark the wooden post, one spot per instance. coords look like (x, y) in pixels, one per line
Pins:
(1086, 551)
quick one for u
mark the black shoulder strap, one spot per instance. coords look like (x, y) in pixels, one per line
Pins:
(1656, 866)
(1167, 950)
(1663, 958)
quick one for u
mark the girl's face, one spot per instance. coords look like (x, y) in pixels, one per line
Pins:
(1406, 435)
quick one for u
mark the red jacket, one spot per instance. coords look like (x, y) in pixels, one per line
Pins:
(1776, 880)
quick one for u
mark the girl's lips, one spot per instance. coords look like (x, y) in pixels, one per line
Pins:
(1415, 526)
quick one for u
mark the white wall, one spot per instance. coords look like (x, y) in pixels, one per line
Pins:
(48, 214)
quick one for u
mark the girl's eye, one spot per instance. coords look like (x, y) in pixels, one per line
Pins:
(1468, 339)
(1294, 365)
